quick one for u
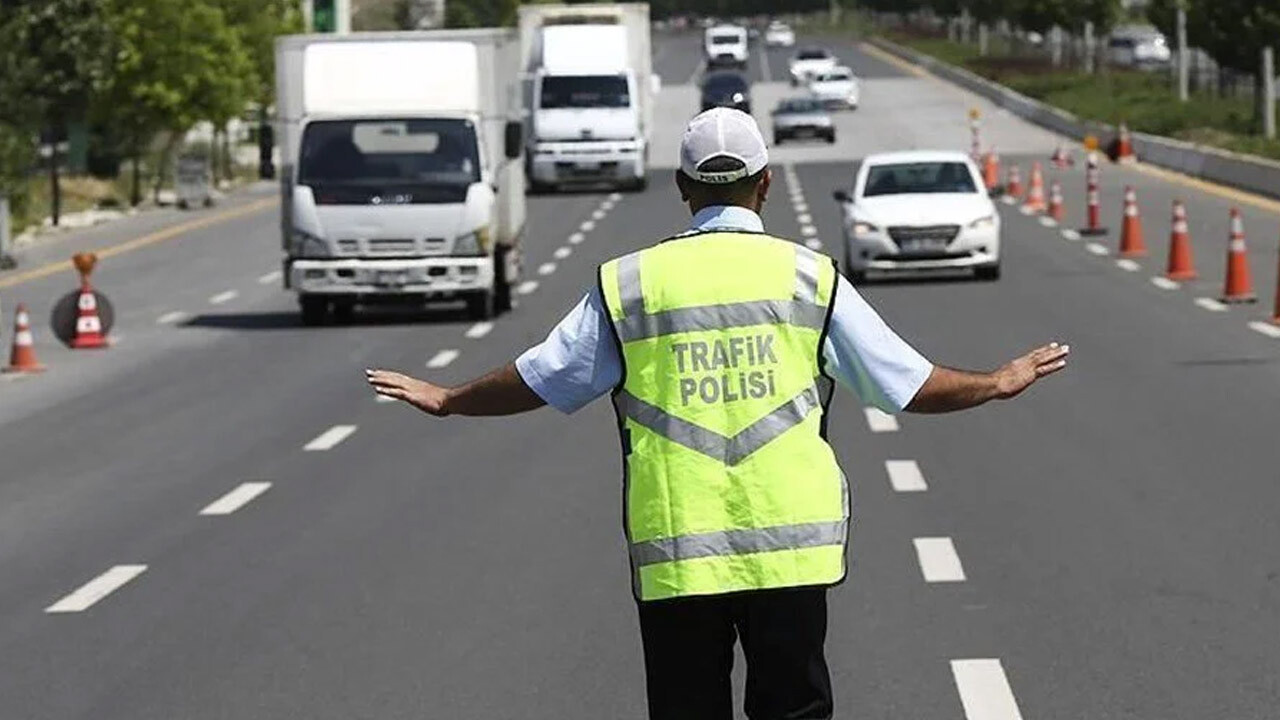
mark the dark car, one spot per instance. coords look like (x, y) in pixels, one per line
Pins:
(726, 89)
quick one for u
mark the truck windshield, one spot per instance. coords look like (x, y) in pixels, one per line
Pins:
(400, 153)
(733, 39)
(585, 91)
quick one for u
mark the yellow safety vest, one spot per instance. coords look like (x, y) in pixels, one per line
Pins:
(730, 483)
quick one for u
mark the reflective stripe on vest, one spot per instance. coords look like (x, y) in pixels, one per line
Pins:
(730, 485)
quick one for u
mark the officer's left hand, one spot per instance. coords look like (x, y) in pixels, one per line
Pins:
(421, 394)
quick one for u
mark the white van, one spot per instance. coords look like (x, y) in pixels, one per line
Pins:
(726, 45)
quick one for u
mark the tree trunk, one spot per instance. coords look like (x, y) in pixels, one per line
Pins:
(55, 187)
(166, 154)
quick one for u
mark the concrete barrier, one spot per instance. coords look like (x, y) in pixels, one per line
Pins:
(1247, 172)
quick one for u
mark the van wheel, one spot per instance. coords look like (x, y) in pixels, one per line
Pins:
(314, 310)
(480, 305)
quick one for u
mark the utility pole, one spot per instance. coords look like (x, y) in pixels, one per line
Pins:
(1268, 93)
(6, 260)
(1088, 47)
(833, 7)
(1184, 92)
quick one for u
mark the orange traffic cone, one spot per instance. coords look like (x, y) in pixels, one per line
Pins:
(1093, 197)
(88, 323)
(22, 359)
(1131, 242)
(1061, 158)
(1035, 194)
(991, 171)
(1124, 146)
(1056, 209)
(1013, 186)
(1239, 286)
(1181, 266)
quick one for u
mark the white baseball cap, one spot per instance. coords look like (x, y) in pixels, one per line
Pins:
(722, 133)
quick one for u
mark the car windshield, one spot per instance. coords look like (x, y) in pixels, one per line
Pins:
(812, 55)
(725, 83)
(919, 177)
(799, 105)
(833, 77)
(585, 91)
(730, 39)
(389, 152)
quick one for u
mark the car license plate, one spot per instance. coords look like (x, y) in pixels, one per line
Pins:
(391, 278)
(923, 245)
(804, 132)
(586, 166)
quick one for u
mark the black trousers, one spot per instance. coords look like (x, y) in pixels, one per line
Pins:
(688, 655)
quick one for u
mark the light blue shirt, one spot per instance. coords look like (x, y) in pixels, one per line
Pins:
(579, 361)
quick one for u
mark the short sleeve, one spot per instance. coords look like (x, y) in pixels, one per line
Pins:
(578, 362)
(865, 355)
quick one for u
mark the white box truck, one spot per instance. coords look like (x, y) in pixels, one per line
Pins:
(402, 172)
(590, 90)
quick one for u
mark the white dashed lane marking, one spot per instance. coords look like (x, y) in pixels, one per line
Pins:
(546, 268)
(1070, 235)
(1128, 265)
(1097, 249)
(615, 197)
(442, 359)
(598, 215)
(905, 476)
(938, 560)
(1210, 304)
(804, 219)
(587, 226)
(808, 230)
(479, 330)
(330, 438)
(984, 690)
(1269, 329)
(269, 278)
(577, 238)
(813, 244)
(87, 595)
(562, 252)
(1047, 221)
(880, 421)
(173, 318)
(1164, 283)
(527, 287)
(802, 207)
(223, 297)
(236, 499)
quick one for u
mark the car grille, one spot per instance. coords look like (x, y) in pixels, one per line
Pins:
(390, 246)
(928, 234)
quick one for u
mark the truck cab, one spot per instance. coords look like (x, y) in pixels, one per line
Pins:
(726, 46)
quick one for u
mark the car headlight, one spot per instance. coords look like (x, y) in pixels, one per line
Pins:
(306, 245)
(864, 228)
(472, 244)
(984, 222)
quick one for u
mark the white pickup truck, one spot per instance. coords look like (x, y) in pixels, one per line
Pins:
(400, 183)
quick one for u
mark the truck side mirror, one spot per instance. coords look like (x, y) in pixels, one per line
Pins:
(841, 196)
(513, 140)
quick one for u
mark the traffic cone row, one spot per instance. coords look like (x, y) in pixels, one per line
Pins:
(89, 335)
(1239, 285)
(1093, 197)
(1124, 146)
(1057, 210)
(1131, 242)
(1035, 193)
(1013, 186)
(1061, 159)
(1181, 265)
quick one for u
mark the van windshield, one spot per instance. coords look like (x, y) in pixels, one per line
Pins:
(402, 153)
(585, 91)
(731, 39)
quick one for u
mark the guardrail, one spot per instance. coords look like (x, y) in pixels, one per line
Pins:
(1247, 172)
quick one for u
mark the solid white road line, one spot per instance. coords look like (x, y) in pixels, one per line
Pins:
(880, 421)
(329, 438)
(808, 230)
(479, 330)
(1047, 221)
(173, 318)
(938, 560)
(984, 690)
(1210, 304)
(562, 252)
(222, 297)
(1070, 234)
(236, 499)
(546, 268)
(577, 238)
(1128, 265)
(91, 592)
(442, 359)
(269, 278)
(813, 244)
(527, 287)
(587, 226)
(905, 476)
(1164, 283)
(1266, 328)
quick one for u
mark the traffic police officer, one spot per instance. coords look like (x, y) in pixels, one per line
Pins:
(720, 347)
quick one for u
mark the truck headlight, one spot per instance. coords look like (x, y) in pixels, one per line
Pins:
(982, 223)
(306, 245)
(864, 228)
(473, 244)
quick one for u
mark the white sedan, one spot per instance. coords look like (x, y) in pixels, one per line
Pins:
(808, 62)
(919, 211)
(836, 88)
(779, 35)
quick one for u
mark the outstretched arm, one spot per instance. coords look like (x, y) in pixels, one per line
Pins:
(948, 390)
(501, 392)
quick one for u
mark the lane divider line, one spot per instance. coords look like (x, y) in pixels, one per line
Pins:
(587, 226)
(89, 594)
(616, 197)
(1097, 249)
(442, 359)
(880, 421)
(527, 287)
(1269, 329)
(224, 297)
(562, 252)
(1069, 234)
(173, 318)
(1128, 265)
(577, 238)
(546, 268)
(479, 330)
(808, 230)
(1164, 283)
(804, 219)
(905, 476)
(1047, 221)
(813, 244)
(984, 690)
(270, 277)
(801, 207)
(1210, 304)
(939, 562)
(328, 439)
(598, 215)
(236, 499)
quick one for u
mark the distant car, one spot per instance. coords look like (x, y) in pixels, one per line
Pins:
(779, 35)
(726, 45)
(797, 118)
(808, 62)
(919, 210)
(726, 88)
(836, 88)
(1142, 48)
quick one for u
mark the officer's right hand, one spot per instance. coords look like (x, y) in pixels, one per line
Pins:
(425, 396)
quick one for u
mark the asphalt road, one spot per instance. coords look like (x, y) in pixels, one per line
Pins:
(1101, 548)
